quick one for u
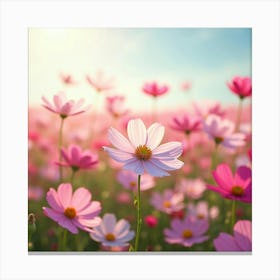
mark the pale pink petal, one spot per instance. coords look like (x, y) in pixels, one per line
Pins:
(81, 223)
(53, 200)
(121, 227)
(93, 209)
(119, 155)
(64, 192)
(154, 170)
(68, 224)
(168, 150)
(168, 165)
(108, 223)
(135, 166)
(81, 198)
(56, 216)
(137, 132)
(243, 235)
(225, 243)
(155, 135)
(119, 141)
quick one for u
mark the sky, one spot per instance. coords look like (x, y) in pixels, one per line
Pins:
(206, 57)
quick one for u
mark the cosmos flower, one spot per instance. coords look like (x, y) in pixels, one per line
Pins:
(115, 106)
(129, 180)
(168, 202)
(210, 109)
(151, 221)
(67, 79)
(192, 188)
(100, 83)
(186, 232)
(143, 152)
(154, 89)
(222, 132)
(64, 107)
(186, 123)
(202, 210)
(234, 187)
(241, 86)
(112, 233)
(76, 159)
(186, 86)
(72, 210)
(240, 241)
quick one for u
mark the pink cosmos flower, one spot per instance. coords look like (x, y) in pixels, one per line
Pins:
(186, 123)
(112, 233)
(210, 109)
(202, 211)
(72, 210)
(186, 232)
(115, 106)
(76, 159)
(67, 79)
(240, 241)
(241, 86)
(192, 188)
(142, 151)
(234, 187)
(168, 202)
(64, 107)
(100, 83)
(186, 86)
(222, 132)
(154, 89)
(129, 180)
(151, 221)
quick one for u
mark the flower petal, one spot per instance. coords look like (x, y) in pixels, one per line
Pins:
(154, 170)
(243, 235)
(81, 198)
(137, 132)
(168, 151)
(225, 243)
(64, 192)
(223, 176)
(119, 141)
(135, 166)
(155, 135)
(53, 200)
(118, 155)
(108, 223)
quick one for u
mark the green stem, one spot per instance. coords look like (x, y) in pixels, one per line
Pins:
(239, 113)
(139, 218)
(63, 240)
(215, 157)
(72, 177)
(60, 143)
(233, 213)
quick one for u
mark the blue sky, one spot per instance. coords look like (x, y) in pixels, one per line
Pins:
(208, 57)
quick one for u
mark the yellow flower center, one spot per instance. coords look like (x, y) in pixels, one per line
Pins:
(110, 237)
(200, 216)
(70, 212)
(166, 204)
(187, 234)
(237, 191)
(219, 140)
(142, 152)
(132, 184)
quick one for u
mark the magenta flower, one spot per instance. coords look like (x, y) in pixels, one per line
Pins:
(240, 241)
(234, 187)
(186, 232)
(168, 202)
(72, 210)
(151, 221)
(186, 123)
(142, 151)
(115, 106)
(64, 107)
(129, 180)
(154, 89)
(222, 132)
(76, 159)
(241, 86)
(100, 83)
(112, 233)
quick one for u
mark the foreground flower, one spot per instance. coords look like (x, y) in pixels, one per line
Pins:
(115, 106)
(222, 132)
(72, 210)
(186, 232)
(241, 86)
(186, 123)
(112, 233)
(129, 180)
(63, 106)
(240, 241)
(143, 152)
(154, 89)
(234, 187)
(192, 188)
(168, 202)
(76, 159)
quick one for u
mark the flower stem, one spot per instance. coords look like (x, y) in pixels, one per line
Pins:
(63, 240)
(233, 213)
(239, 113)
(214, 157)
(60, 143)
(72, 177)
(139, 218)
